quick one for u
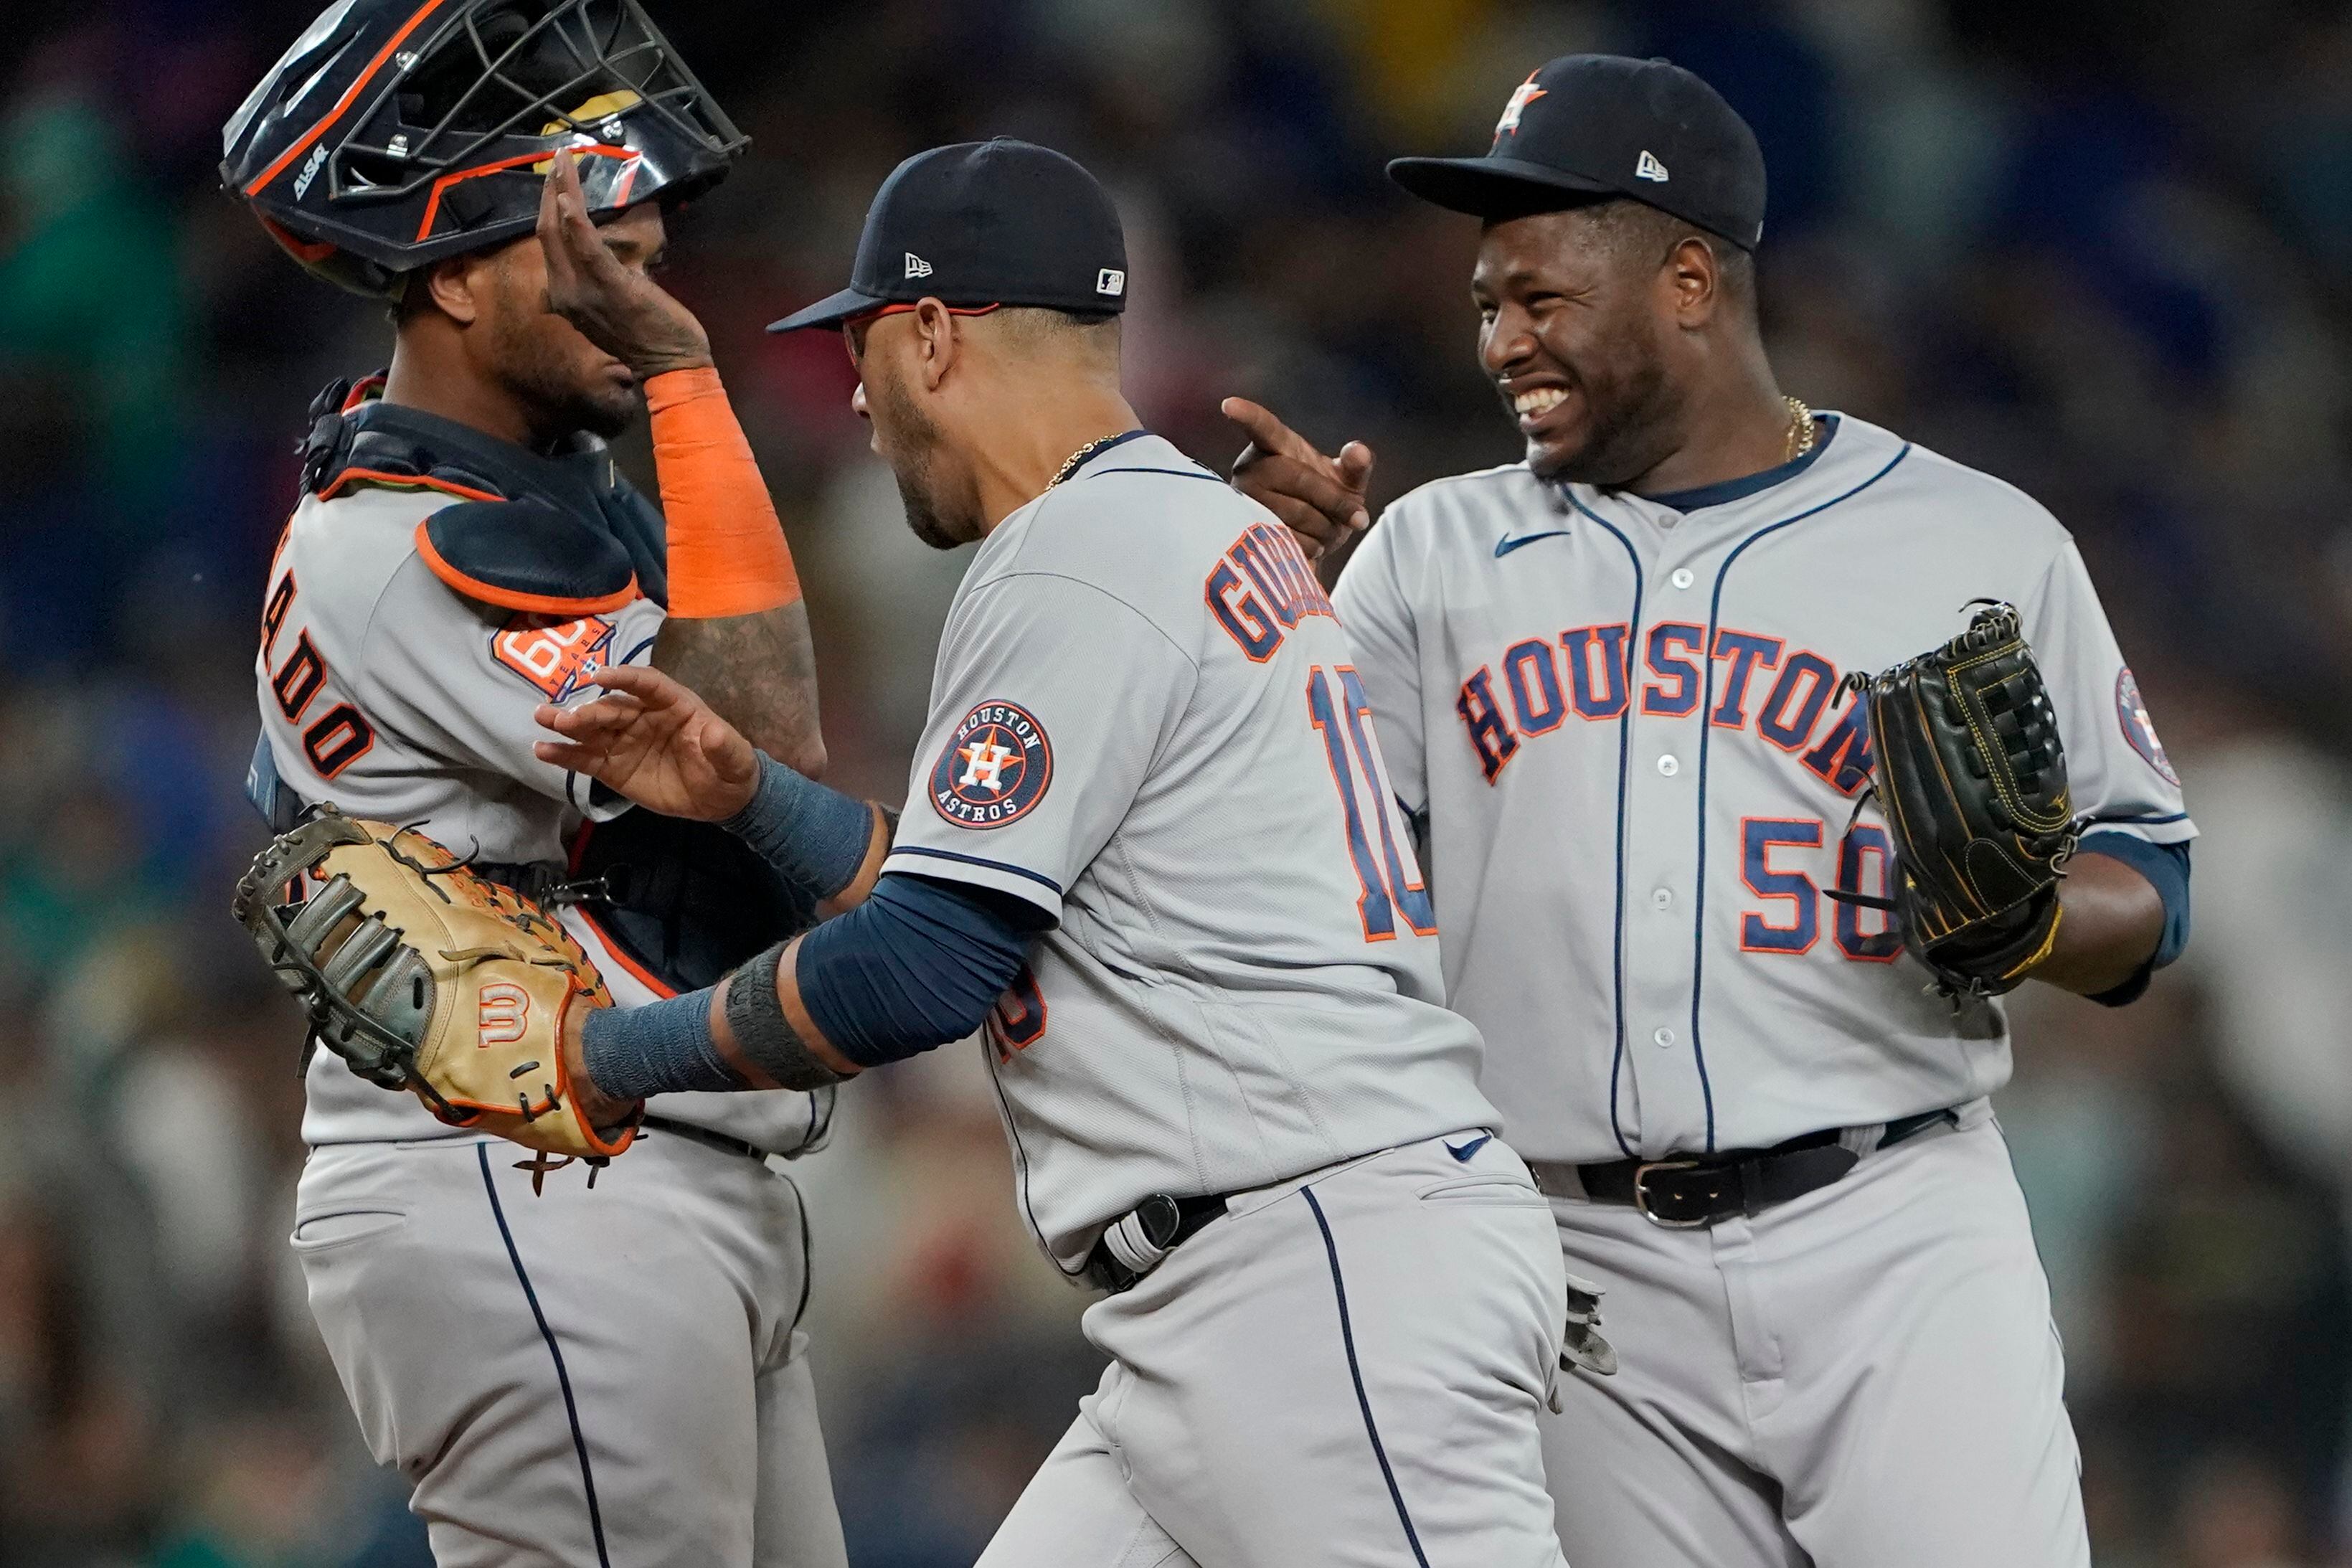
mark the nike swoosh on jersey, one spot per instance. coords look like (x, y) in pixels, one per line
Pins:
(1505, 546)
(1463, 1152)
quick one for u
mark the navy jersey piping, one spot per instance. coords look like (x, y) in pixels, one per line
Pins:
(1121, 439)
(976, 860)
(1356, 1375)
(1724, 493)
(1624, 752)
(555, 1351)
(1020, 1167)
(1172, 473)
(1705, 706)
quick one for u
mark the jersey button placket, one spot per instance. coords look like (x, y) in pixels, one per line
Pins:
(1660, 868)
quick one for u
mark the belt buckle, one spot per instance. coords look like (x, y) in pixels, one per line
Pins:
(1642, 1197)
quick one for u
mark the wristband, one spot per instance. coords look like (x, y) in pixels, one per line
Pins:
(772, 1050)
(816, 837)
(659, 1048)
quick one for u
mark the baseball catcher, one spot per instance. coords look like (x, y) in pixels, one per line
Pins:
(499, 176)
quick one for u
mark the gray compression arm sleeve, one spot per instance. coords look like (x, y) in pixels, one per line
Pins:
(667, 1045)
(816, 837)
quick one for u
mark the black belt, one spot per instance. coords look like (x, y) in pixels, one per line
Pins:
(1153, 1229)
(704, 1136)
(1682, 1193)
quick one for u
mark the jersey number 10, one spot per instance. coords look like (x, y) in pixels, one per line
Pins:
(1388, 874)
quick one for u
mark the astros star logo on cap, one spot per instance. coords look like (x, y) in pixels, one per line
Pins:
(1526, 93)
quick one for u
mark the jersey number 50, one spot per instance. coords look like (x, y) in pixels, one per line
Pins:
(1388, 877)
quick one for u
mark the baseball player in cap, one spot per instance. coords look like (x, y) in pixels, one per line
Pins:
(1612, 683)
(1151, 852)
(564, 1376)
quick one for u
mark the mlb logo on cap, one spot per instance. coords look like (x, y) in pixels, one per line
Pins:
(1110, 280)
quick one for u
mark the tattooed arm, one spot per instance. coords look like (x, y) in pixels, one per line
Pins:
(758, 672)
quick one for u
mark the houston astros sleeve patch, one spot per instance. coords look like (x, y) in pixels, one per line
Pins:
(994, 768)
(2131, 712)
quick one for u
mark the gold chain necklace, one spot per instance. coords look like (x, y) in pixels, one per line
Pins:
(1801, 430)
(1077, 459)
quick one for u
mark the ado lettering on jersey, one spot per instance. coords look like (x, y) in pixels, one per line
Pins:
(339, 735)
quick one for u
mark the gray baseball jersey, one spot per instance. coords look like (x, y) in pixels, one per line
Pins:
(1627, 727)
(385, 690)
(1146, 722)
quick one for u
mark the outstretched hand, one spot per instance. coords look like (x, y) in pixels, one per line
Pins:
(1319, 498)
(617, 307)
(654, 741)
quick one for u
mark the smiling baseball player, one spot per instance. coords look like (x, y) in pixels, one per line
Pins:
(1612, 682)
(564, 1376)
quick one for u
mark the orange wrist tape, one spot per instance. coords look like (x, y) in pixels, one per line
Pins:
(727, 551)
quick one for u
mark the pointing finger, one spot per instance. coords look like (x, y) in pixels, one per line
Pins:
(1266, 432)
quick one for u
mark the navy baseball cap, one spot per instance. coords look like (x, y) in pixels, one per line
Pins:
(984, 223)
(1588, 127)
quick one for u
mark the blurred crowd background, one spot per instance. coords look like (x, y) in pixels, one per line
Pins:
(2100, 247)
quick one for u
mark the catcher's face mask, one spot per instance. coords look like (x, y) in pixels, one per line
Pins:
(397, 133)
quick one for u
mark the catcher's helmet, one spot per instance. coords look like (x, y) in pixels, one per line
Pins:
(397, 133)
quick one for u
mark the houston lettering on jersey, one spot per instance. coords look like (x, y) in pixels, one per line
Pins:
(1588, 672)
(1761, 686)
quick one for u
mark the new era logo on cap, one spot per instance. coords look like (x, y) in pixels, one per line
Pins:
(1110, 280)
(919, 268)
(1649, 168)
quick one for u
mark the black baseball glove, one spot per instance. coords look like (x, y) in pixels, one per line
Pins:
(1968, 766)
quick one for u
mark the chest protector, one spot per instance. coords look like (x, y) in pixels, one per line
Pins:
(683, 902)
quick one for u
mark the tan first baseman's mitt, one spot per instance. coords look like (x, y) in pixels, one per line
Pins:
(424, 977)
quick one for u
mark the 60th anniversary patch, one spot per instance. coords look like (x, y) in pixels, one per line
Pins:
(995, 767)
